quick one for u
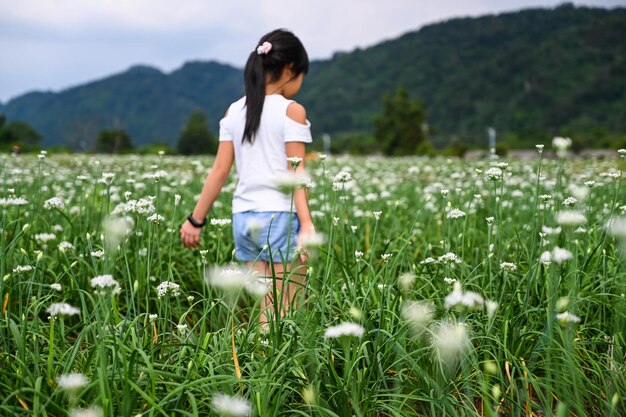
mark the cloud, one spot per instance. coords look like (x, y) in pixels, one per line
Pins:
(57, 43)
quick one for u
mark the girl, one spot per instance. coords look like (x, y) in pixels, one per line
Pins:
(259, 132)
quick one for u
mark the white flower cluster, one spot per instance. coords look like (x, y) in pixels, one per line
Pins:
(44, 237)
(570, 218)
(450, 340)
(418, 314)
(568, 317)
(65, 246)
(72, 381)
(232, 406)
(156, 218)
(558, 255)
(294, 161)
(168, 288)
(54, 202)
(236, 277)
(455, 214)
(344, 329)
(13, 201)
(105, 282)
(561, 145)
(469, 299)
(22, 268)
(141, 206)
(221, 222)
(493, 173)
(508, 266)
(62, 309)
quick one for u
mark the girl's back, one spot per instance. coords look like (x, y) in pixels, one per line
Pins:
(261, 162)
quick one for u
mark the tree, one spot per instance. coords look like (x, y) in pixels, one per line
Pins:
(113, 141)
(195, 137)
(18, 133)
(400, 129)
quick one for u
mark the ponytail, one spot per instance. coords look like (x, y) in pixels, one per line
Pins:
(267, 64)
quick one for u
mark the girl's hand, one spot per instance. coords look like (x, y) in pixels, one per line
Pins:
(190, 235)
(306, 233)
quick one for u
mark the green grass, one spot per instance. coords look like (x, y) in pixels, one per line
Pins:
(521, 360)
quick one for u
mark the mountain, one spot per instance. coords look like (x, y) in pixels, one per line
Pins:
(526, 73)
(150, 105)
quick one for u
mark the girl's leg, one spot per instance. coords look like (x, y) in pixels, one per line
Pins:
(288, 288)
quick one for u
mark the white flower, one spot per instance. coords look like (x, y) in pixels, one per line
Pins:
(450, 340)
(616, 226)
(104, 282)
(93, 411)
(444, 192)
(558, 255)
(344, 329)
(168, 288)
(56, 286)
(385, 256)
(493, 173)
(22, 268)
(569, 201)
(489, 220)
(358, 254)
(234, 278)
(343, 177)
(115, 229)
(561, 144)
(294, 161)
(418, 314)
(220, 222)
(469, 299)
(508, 266)
(491, 306)
(570, 218)
(72, 381)
(539, 148)
(176, 199)
(181, 328)
(44, 237)
(377, 214)
(54, 202)
(156, 218)
(13, 201)
(455, 214)
(231, 406)
(428, 260)
(98, 253)
(449, 280)
(153, 317)
(62, 309)
(450, 257)
(406, 281)
(568, 317)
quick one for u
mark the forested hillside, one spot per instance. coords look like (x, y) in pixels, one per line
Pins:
(529, 74)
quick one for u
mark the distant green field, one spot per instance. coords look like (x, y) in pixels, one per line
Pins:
(440, 287)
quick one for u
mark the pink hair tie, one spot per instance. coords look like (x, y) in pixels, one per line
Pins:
(264, 49)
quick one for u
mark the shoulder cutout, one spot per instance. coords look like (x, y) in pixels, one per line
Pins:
(297, 112)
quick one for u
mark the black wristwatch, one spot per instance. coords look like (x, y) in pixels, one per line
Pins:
(193, 221)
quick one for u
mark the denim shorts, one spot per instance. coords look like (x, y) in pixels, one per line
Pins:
(253, 230)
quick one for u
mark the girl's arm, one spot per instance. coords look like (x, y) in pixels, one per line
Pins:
(212, 186)
(297, 112)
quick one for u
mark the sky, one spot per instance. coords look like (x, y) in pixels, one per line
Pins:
(51, 45)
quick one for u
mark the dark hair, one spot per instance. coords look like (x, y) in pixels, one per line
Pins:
(286, 50)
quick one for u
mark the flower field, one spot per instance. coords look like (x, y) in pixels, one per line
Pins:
(436, 287)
